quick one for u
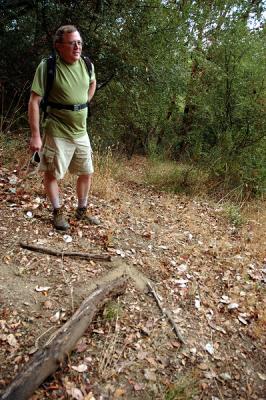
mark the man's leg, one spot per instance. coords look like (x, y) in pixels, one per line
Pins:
(83, 188)
(52, 191)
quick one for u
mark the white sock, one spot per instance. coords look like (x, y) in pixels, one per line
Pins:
(56, 203)
(82, 203)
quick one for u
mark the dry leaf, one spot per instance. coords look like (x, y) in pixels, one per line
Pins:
(197, 303)
(209, 348)
(42, 288)
(75, 393)
(89, 396)
(152, 361)
(225, 376)
(232, 306)
(262, 376)
(80, 368)
(142, 354)
(81, 345)
(48, 305)
(33, 350)
(203, 366)
(175, 343)
(119, 393)
(242, 320)
(138, 386)
(55, 317)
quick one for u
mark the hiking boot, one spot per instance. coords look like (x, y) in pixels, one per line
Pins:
(81, 214)
(59, 220)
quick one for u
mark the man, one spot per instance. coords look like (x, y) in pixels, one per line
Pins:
(66, 145)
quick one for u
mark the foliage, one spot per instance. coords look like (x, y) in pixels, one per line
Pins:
(172, 177)
(184, 389)
(112, 311)
(234, 215)
(180, 80)
(228, 130)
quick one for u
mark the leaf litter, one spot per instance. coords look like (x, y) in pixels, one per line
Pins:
(209, 276)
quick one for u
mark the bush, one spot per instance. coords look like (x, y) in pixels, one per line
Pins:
(172, 177)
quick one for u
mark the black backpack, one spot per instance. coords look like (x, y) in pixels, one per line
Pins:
(51, 71)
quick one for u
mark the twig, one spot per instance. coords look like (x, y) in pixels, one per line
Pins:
(218, 388)
(108, 352)
(39, 337)
(68, 282)
(53, 252)
(165, 312)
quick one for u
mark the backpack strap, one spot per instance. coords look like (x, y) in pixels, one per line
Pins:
(50, 77)
(88, 64)
(89, 68)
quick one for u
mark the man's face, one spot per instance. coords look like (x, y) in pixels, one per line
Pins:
(70, 48)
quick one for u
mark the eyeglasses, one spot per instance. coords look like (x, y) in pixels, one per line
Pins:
(74, 43)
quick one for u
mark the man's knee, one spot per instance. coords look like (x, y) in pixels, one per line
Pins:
(48, 176)
(85, 177)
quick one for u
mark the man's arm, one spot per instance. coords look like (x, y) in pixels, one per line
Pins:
(34, 121)
(92, 89)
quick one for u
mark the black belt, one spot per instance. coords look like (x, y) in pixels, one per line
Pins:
(71, 107)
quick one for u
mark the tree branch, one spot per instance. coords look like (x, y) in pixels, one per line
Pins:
(60, 253)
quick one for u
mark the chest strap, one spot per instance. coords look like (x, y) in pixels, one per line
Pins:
(71, 107)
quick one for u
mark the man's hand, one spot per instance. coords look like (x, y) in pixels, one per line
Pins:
(35, 143)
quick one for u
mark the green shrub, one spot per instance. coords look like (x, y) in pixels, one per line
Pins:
(176, 178)
(185, 388)
(233, 213)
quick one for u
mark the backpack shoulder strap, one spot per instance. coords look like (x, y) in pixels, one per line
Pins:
(50, 76)
(88, 64)
(51, 71)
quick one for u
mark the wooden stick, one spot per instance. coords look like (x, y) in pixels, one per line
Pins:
(46, 361)
(165, 312)
(53, 252)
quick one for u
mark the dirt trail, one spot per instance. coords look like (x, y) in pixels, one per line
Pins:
(209, 273)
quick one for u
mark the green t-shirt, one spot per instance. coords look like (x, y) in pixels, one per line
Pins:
(70, 86)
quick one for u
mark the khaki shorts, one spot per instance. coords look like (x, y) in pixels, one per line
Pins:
(59, 155)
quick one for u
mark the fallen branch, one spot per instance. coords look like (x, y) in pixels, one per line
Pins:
(88, 256)
(165, 312)
(46, 361)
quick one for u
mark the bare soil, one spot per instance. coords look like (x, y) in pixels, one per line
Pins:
(209, 274)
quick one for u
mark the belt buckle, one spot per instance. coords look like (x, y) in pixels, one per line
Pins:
(76, 107)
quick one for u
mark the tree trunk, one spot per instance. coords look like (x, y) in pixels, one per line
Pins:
(47, 360)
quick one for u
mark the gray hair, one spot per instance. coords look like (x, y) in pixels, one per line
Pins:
(58, 37)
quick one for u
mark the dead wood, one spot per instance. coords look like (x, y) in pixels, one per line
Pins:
(47, 360)
(165, 312)
(53, 252)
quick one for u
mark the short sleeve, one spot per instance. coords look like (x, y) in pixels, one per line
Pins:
(39, 80)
